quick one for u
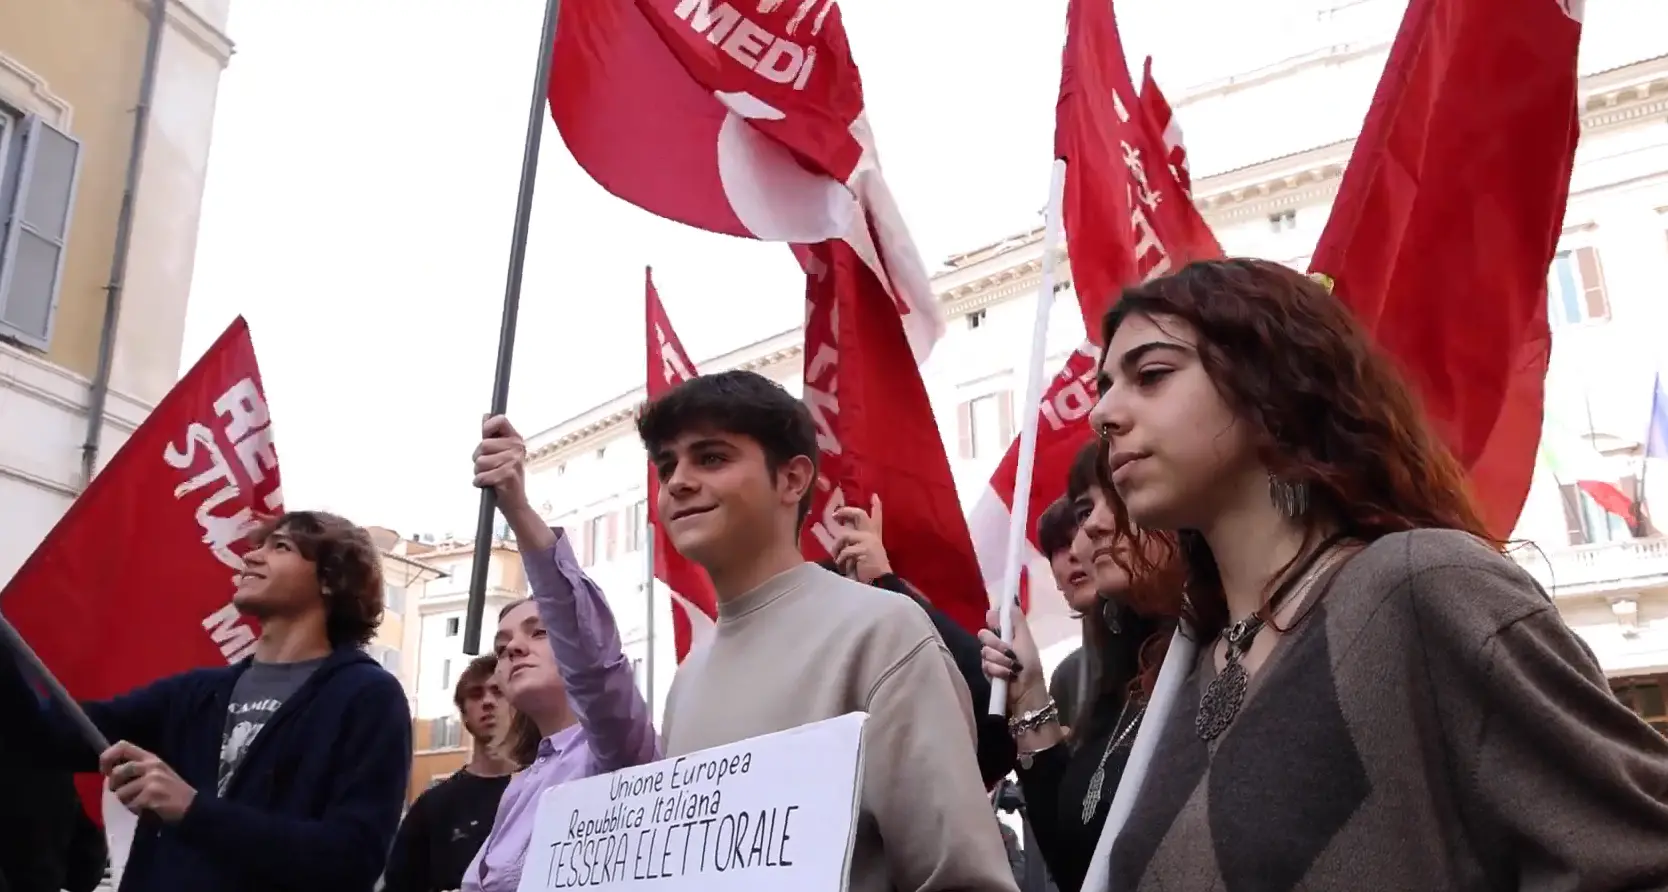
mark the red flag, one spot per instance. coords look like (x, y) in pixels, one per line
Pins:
(1449, 214)
(135, 583)
(692, 591)
(748, 123)
(1127, 218)
(1161, 118)
(877, 436)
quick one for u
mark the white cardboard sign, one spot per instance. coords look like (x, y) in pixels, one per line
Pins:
(767, 814)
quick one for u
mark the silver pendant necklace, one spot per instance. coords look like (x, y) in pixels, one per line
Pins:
(1097, 781)
(1225, 694)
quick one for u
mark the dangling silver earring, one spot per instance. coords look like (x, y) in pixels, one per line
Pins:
(1290, 499)
(1109, 613)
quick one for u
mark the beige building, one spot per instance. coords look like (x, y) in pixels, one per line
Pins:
(72, 74)
(405, 578)
(433, 637)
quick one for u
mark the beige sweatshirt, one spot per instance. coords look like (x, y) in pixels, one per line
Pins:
(810, 645)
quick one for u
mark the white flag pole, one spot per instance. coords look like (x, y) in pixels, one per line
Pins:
(648, 595)
(1021, 509)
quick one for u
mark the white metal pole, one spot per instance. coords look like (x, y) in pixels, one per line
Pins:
(1028, 426)
(649, 603)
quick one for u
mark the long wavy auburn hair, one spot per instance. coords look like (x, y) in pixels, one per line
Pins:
(1326, 407)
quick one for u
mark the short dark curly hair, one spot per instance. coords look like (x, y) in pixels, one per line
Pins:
(349, 568)
(736, 402)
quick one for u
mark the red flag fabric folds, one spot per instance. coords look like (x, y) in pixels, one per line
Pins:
(692, 594)
(1449, 214)
(135, 582)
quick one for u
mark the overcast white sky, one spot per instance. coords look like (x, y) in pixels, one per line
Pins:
(363, 179)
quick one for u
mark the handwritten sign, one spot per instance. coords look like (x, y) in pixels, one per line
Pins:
(770, 813)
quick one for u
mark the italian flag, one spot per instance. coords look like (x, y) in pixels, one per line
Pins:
(1574, 462)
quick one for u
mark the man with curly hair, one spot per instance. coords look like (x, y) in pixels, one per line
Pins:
(287, 770)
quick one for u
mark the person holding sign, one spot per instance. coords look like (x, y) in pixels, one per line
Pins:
(737, 459)
(560, 664)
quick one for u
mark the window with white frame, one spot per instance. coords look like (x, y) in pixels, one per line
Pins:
(445, 733)
(596, 528)
(393, 598)
(1575, 288)
(445, 675)
(452, 623)
(636, 525)
(38, 168)
(985, 425)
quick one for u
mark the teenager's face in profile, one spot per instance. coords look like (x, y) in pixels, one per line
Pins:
(277, 580)
(716, 494)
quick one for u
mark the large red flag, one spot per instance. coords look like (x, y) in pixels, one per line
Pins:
(692, 591)
(743, 121)
(1128, 218)
(135, 582)
(750, 121)
(1449, 213)
(877, 436)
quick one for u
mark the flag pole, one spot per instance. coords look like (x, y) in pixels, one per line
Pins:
(1028, 429)
(506, 326)
(648, 594)
(26, 655)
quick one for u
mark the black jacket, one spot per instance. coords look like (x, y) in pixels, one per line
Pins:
(312, 808)
(47, 842)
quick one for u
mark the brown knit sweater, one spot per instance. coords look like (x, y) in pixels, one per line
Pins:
(1433, 725)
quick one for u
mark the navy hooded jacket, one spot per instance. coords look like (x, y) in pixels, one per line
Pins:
(312, 807)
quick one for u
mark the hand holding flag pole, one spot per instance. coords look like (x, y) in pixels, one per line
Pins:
(506, 330)
(1021, 509)
(26, 655)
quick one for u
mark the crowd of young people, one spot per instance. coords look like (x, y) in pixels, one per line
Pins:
(1360, 690)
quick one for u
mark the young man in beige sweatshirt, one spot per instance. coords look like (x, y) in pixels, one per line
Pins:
(795, 644)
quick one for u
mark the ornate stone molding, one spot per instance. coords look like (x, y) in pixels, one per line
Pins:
(27, 90)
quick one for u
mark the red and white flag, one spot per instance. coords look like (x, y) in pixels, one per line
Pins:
(1162, 119)
(1449, 214)
(692, 593)
(1127, 219)
(747, 118)
(135, 583)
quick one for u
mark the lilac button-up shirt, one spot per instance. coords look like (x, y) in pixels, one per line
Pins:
(614, 729)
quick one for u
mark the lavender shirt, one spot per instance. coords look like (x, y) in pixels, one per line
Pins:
(614, 729)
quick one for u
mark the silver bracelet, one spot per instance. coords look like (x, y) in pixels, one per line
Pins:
(1034, 719)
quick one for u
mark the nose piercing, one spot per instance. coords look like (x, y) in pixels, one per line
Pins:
(1103, 431)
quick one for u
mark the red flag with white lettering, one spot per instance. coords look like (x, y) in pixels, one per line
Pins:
(692, 593)
(135, 582)
(877, 434)
(750, 121)
(1449, 214)
(1128, 218)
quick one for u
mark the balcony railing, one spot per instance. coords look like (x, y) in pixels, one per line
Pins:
(1598, 566)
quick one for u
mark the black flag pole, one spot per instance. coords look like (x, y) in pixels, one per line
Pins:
(506, 328)
(11, 641)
